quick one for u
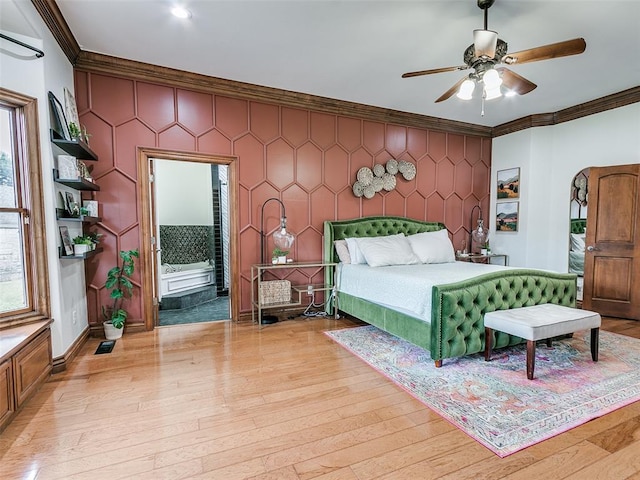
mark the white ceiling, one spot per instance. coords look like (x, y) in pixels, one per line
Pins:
(356, 50)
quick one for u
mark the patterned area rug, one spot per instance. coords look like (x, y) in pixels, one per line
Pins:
(493, 402)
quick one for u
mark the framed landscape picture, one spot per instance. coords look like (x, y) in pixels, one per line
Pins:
(507, 217)
(508, 184)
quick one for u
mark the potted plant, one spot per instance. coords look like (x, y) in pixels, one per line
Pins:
(279, 256)
(82, 244)
(120, 286)
(486, 249)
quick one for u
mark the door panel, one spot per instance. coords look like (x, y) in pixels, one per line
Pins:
(612, 257)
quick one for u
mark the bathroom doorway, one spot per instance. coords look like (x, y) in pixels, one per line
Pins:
(190, 214)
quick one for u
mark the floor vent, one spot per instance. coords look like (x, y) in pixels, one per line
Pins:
(105, 347)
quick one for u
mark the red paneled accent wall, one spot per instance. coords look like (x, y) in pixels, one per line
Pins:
(306, 158)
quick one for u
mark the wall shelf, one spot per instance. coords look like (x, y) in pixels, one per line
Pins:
(84, 256)
(75, 148)
(76, 183)
(62, 215)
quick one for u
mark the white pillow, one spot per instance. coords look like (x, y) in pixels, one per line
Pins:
(354, 251)
(342, 250)
(577, 242)
(432, 247)
(389, 250)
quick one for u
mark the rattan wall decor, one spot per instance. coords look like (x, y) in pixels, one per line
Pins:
(370, 181)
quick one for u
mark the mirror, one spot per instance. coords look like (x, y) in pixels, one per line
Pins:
(578, 226)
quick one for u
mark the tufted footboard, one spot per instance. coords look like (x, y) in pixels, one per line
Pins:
(457, 326)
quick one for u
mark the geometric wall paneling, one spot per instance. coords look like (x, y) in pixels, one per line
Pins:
(303, 157)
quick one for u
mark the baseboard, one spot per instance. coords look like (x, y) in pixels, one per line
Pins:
(60, 363)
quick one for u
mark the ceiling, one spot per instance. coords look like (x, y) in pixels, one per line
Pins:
(356, 50)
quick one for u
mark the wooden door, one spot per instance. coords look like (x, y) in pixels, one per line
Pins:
(612, 256)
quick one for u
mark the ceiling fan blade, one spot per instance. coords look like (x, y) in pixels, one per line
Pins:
(514, 82)
(546, 52)
(435, 70)
(485, 42)
(451, 91)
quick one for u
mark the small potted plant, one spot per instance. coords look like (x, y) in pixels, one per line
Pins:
(279, 256)
(486, 249)
(82, 244)
(74, 131)
(119, 284)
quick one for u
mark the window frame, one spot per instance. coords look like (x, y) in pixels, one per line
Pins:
(30, 188)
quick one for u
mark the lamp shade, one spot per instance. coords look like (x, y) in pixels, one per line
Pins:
(466, 90)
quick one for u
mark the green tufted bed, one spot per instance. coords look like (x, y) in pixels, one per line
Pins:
(456, 326)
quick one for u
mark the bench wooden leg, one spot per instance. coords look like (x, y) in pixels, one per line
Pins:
(488, 340)
(531, 358)
(595, 336)
(438, 363)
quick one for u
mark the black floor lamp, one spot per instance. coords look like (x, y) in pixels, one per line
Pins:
(282, 240)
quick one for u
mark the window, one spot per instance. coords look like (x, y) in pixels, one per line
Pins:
(23, 269)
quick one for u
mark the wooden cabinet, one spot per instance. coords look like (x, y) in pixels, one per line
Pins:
(7, 405)
(31, 366)
(25, 364)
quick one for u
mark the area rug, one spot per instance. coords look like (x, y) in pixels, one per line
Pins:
(493, 402)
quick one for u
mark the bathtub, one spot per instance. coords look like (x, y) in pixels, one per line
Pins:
(179, 278)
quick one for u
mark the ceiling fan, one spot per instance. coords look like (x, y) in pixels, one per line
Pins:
(487, 52)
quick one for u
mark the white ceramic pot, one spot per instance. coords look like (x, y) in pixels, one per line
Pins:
(111, 332)
(81, 248)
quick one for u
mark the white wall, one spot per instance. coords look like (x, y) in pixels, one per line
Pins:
(549, 158)
(34, 78)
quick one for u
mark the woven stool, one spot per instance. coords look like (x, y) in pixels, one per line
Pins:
(540, 322)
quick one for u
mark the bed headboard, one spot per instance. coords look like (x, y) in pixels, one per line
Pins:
(370, 227)
(578, 225)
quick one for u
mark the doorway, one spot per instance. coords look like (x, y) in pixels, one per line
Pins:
(188, 219)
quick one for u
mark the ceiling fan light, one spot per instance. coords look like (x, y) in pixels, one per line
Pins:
(485, 43)
(466, 90)
(491, 93)
(491, 79)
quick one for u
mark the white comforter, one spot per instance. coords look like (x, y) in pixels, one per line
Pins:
(406, 288)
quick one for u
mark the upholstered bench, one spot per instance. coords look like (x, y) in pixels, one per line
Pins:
(540, 322)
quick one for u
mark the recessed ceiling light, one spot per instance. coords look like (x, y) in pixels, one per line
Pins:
(180, 12)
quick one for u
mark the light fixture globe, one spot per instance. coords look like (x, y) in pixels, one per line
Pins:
(466, 89)
(282, 239)
(480, 235)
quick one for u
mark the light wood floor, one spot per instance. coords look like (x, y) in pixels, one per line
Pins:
(229, 401)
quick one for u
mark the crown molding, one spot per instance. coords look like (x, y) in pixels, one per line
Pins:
(108, 65)
(57, 25)
(599, 105)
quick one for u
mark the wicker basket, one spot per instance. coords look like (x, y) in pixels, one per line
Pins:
(274, 291)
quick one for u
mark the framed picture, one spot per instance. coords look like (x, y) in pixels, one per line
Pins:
(58, 119)
(507, 217)
(67, 167)
(66, 240)
(70, 107)
(508, 183)
(72, 207)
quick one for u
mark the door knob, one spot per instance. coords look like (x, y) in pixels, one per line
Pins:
(591, 248)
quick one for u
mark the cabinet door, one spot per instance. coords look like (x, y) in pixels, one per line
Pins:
(32, 365)
(7, 406)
